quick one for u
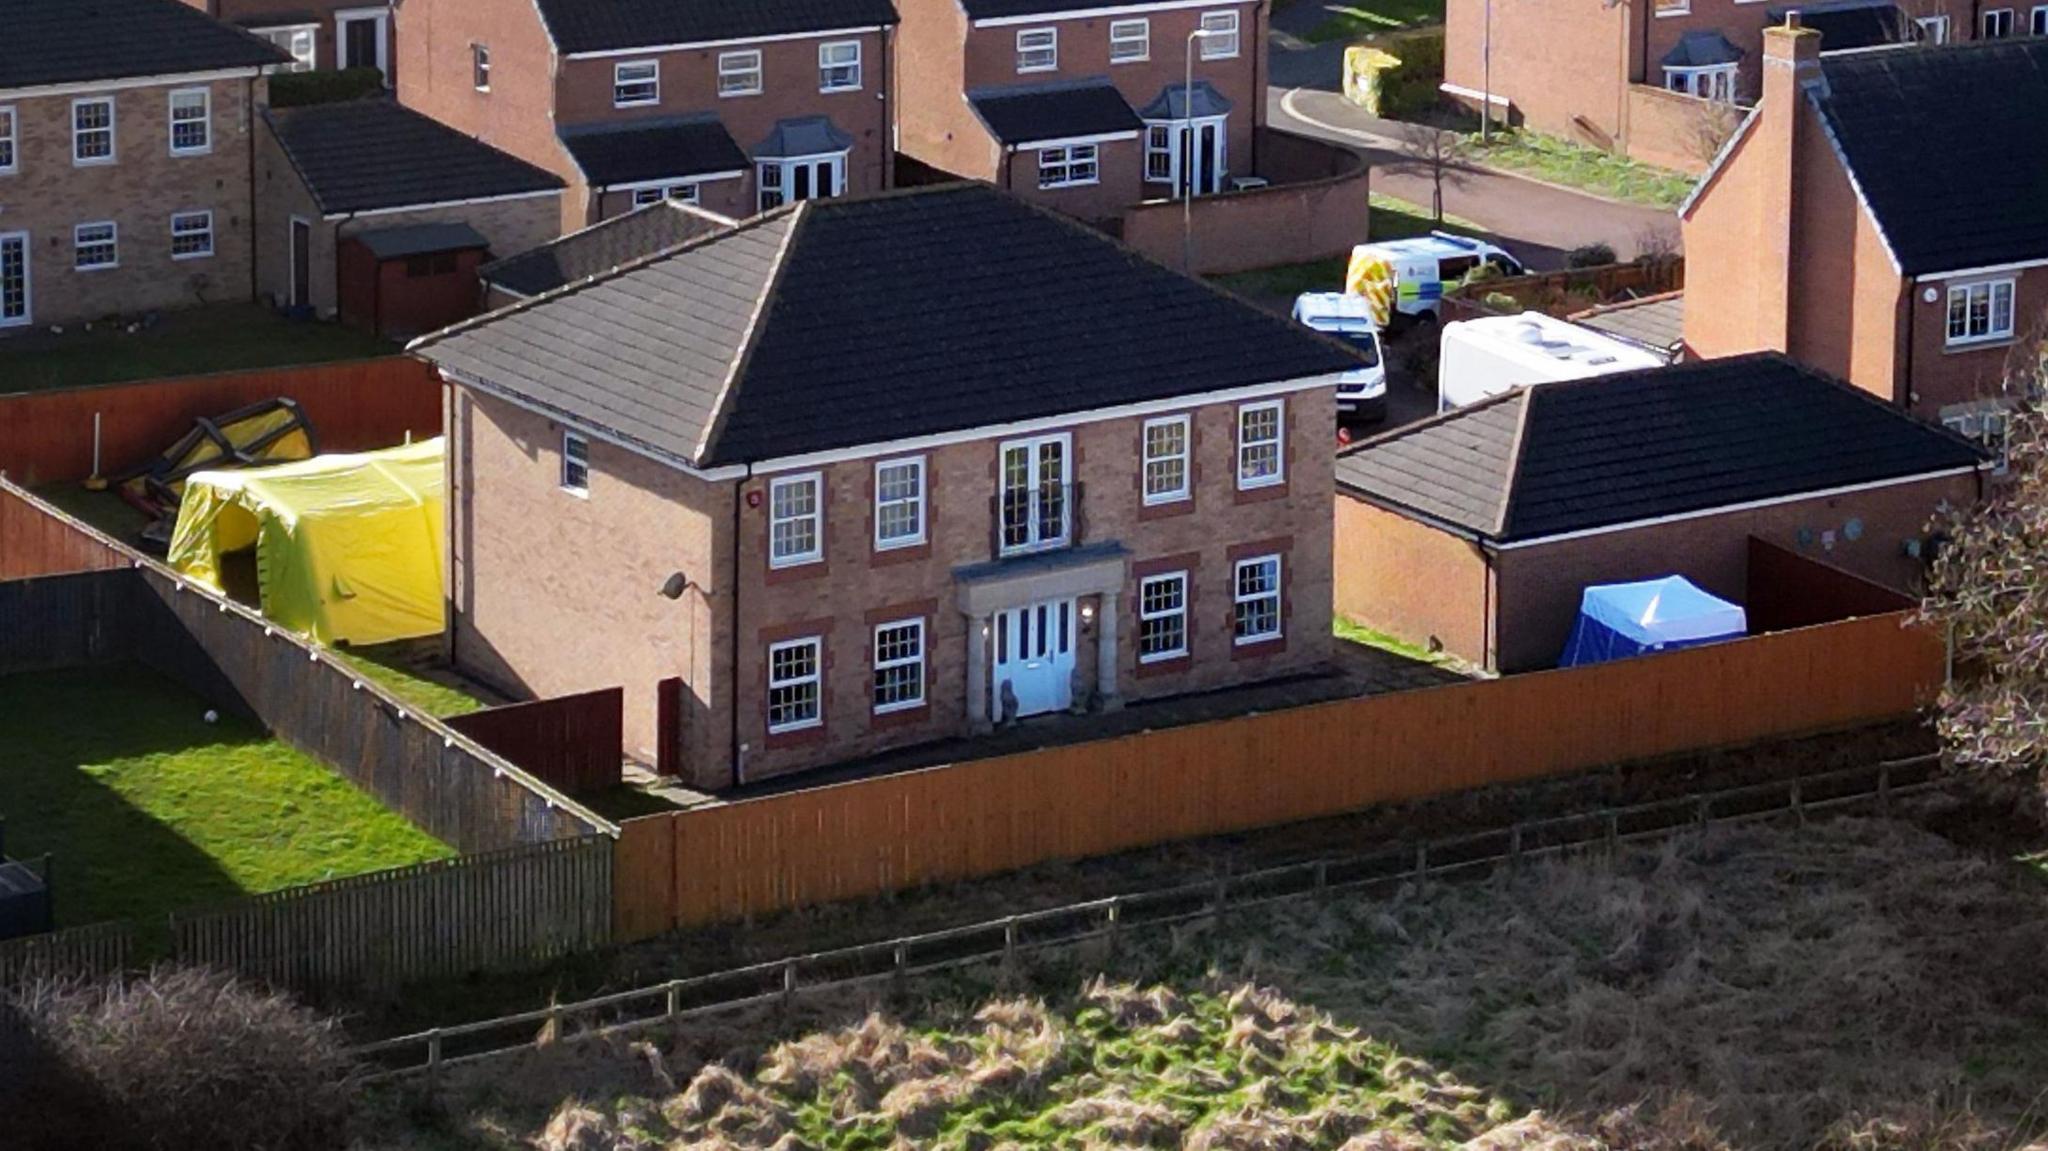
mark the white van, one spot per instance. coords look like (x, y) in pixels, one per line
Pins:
(1488, 356)
(1420, 269)
(1349, 318)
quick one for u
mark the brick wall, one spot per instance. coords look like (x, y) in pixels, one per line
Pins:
(1121, 164)
(1411, 581)
(273, 13)
(1940, 374)
(934, 121)
(1564, 68)
(1676, 131)
(48, 195)
(1284, 224)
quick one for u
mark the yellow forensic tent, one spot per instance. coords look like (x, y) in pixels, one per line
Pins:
(348, 547)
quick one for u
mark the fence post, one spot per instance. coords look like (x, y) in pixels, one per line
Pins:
(1797, 809)
(1009, 939)
(1703, 816)
(1421, 865)
(1884, 787)
(1116, 920)
(1322, 874)
(433, 1053)
(1515, 847)
(788, 981)
(1613, 832)
(1222, 895)
(675, 998)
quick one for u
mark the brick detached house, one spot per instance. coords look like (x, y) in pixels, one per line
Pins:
(599, 248)
(383, 216)
(317, 34)
(1644, 76)
(851, 479)
(1877, 220)
(1476, 531)
(126, 135)
(736, 105)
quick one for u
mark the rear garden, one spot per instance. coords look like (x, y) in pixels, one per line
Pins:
(217, 338)
(147, 805)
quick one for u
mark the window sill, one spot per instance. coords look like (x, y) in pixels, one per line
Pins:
(108, 162)
(1068, 184)
(740, 95)
(1262, 646)
(1165, 665)
(838, 91)
(1023, 71)
(1165, 509)
(180, 154)
(899, 715)
(193, 256)
(1132, 60)
(802, 735)
(579, 493)
(1983, 343)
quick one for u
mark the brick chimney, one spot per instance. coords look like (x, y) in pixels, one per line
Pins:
(1791, 63)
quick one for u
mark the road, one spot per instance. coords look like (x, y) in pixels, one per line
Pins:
(1539, 223)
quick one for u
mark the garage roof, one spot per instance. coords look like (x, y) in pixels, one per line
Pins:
(377, 155)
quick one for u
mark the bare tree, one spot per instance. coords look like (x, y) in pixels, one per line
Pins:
(1713, 124)
(1440, 154)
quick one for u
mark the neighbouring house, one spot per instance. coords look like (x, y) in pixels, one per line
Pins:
(1476, 531)
(1869, 223)
(317, 34)
(738, 107)
(846, 481)
(126, 131)
(381, 216)
(1095, 110)
(1662, 79)
(599, 248)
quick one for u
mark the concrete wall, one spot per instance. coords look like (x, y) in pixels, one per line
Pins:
(1285, 224)
(1411, 581)
(48, 195)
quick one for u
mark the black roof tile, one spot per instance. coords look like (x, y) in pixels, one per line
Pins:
(1030, 113)
(610, 25)
(1954, 179)
(672, 149)
(1594, 453)
(420, 240)
(69, 41)
(1852, 25)
(364, 155)
(601, 247)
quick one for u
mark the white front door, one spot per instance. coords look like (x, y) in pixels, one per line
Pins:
(14, 285)
(1035, 656)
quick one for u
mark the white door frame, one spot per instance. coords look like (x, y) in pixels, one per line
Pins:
(28, 299)
(1048, 625)
(343, 17)
(291, 254)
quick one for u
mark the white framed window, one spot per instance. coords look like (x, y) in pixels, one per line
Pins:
(1038, 49)
(1997, 23)
(1158, 154)
(1130, 41)
(92, 130)
(299, 41)
(739, 73)
(1261, 455)
(480, 67)
(839, 66)
(636, 83)
(1162, 617)
(1035, 505)
(1166, 460)
(1933, 29)
(1988, 425)
(685, 193)
(1711, 83)
(95, 246)
(793, 696)
(1980, 312)
(796, 520)
(575, 463)
(10, 140)
(780, 182)
(2037, 20)
(1068, 167)
(191, 235)
(191, 122)
(1670, 7)
(1221, 43)
(899, 503)
(1256, 585)
(899, 666)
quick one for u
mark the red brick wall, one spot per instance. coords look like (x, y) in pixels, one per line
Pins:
(1942, 375)
(1411, 581)
(1286, 224)
(934, 122)
(1122, 167)
(1563, 67)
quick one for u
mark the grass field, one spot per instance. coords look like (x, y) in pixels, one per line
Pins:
(147, 807)
(1857, 984)
(218, 338)
(1577, 166)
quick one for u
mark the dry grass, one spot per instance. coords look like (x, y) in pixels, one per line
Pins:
(1860, 986)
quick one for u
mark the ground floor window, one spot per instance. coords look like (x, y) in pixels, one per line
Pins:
(298, 40)
(191, 235)
(899, 665)
(801, 178)
(95, 246)
(1711, 83)
(1980, 312)
(684, 193)
(793, 698)
(1258, 599)
(1068, 166)
(1162, 617)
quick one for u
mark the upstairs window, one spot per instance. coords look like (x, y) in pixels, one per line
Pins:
(1166, 460)
(480, 67)
(739, 73)
(92, 130)
(636, 83)
(575, 463)
(796, 514)
(1260, 460)
(1038, 49)
(1221, 43)
(297, 40)
(1130, 41)
(1980, 312)
(899, 503)
(1933, 29)
(9, 134)
(1997, 23)
(839, 66)
(191, 122)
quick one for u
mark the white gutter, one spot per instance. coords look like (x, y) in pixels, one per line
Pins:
(441, 204)
(121, 84)
(523, 403)
(650, 49)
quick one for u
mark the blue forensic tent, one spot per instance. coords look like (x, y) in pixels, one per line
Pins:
(1624, 619)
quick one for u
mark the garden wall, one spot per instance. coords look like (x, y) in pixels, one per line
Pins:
(1317, 207)
(1676, 131)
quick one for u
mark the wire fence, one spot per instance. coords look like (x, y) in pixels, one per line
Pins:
(780, 981)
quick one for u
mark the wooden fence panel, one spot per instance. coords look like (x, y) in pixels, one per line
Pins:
(92, 951)
(569, 742)
(894, 832)
(36, 543)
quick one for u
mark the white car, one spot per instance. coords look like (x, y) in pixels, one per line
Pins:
(1422, 268)
(1349, 318)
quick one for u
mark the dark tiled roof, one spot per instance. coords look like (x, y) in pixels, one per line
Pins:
(1849, 25)
(65, 41)
(997, 9)
(803, 136)
(1175, 100)
(904, 314)
(1593, 453)
(364, 155)
(1954, 179)
(606, 25)
(1033, 112)
(420, 240)
(1701, 48)
(654, 150)
(1655, 323)
(601, 247)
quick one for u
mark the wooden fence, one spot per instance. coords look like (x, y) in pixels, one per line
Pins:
(1561, 293)
(33, 543)
(569, 742)
(978, 818)
(95, 950)
(47, 437)
(1783, 589)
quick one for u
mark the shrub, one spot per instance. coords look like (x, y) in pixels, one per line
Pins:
(293, 89)
(180, 1058)
(1590, 256)
(1501, 302)
(1411, 91)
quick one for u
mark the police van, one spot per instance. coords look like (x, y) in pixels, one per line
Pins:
(1405, 279)
(1363, 391)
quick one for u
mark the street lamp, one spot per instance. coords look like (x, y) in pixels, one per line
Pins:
(1186, 154)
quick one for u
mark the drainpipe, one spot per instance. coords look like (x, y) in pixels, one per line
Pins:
(255, 233)
(888, 98)
(334, 247)
(1902, 383)
(733, 689)
(1489, 640)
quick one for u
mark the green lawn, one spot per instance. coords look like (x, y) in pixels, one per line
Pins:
(1352, 631)
(148, 807)
(1392, 219)
(1577, 166)
(1362, 18)
(219, 338)
(414, 673)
